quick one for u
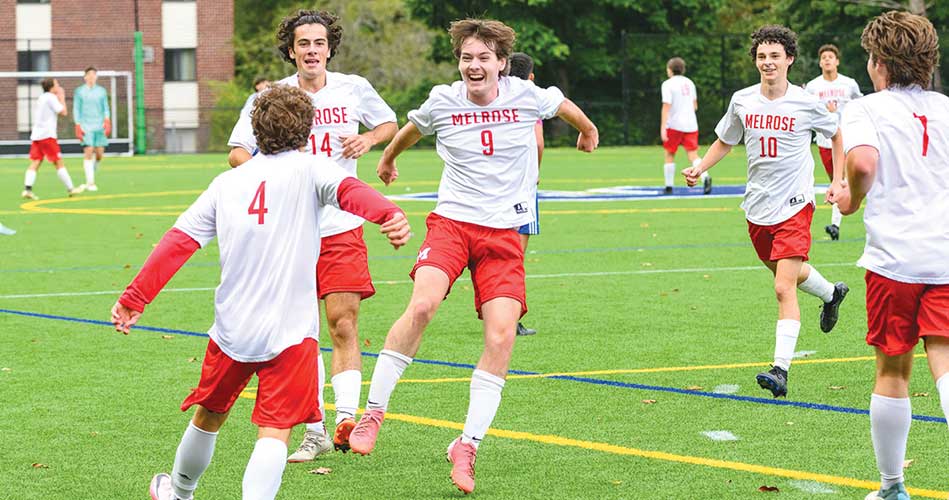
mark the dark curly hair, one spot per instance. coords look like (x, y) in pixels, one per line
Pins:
(282, 118)
(287, 28)
(774, 34)
(906, 44)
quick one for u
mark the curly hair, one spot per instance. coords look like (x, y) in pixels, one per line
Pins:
(774, 34)
(287, 29)
(498, 36)
(676, 65)
(282, 118)
(906, 44)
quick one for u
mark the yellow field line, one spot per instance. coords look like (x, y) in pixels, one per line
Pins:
(656, 455)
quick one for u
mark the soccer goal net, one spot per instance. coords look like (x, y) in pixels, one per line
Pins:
(19, 91)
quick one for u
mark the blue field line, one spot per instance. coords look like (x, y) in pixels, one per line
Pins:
(570, 378)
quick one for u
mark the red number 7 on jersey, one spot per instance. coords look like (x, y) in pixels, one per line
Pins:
(922, 119)
(259, 210)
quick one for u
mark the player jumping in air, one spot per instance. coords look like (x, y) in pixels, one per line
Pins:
(776, 120)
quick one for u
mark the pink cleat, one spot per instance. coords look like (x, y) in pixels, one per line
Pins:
(462, 457)
(362, 439)
(160, 487)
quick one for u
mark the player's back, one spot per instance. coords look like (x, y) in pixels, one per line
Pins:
(679, 92)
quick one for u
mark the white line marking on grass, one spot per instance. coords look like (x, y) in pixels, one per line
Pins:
(804, 354)
(726, 389)
(465, 279)
(720, 435)
(812, 487)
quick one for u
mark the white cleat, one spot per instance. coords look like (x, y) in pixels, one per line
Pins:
(76, 190)
(160, 487)
(27, 194)
(90, 187)
(314, 444)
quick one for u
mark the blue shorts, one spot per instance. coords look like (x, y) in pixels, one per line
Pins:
(95, 139)
(532, 228)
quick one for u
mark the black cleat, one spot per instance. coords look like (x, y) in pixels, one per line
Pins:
(833, 231)
(707, 185)
(774, 380)
(668, 190)
(523, 330)
(829, 312)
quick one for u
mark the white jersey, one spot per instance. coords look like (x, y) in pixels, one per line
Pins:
(265, 215)
(679, 92)
(908, 203)
(344, 103)
(490, 152)
(777, 141)
(840, 91)
(45, 114)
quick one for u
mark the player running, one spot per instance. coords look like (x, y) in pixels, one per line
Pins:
(897, 143)
(266, 321)
(484, 130)
(309, 39)
(50, 105)
(835, 91)
(776, 120)
(678, 124)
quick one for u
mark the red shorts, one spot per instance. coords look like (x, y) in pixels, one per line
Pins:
(494, 257)
(287, 389)
(343, 265)
(827, 158)
(791, 238)
(898, 313)
(45, 148)
(688, 140)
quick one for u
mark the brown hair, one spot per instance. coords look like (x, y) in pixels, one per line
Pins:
(906, 44)
(47, 84)
(287, 30)
(828, 47)
(498, 36)
(676, 65)
(90, 68)
(774, 34)
(282, 118)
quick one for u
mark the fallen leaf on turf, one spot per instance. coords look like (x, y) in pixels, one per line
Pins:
(37, 465)
(192, 360)
(532, 260)
(167, 337)
(837, 387)
(706, 276)
(93, 434)
(907, 463)
(323, 471)
(920, 394)
(769, 488)
(366, 343)
(647, 264)
(127, 266)
(644, 225)
(616, 483)
(694, 388)
(139, 236)
(5, 369)
(649, 401)
(789, 423)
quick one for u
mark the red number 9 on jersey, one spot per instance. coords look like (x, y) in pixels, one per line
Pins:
(487, 140)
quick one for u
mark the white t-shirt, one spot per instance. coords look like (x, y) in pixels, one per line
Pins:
(842, 90)
(907, 210)
(265, 215)
(777, 141)
(679, 92)
(344, 103)
(45, 113)
(490, 152)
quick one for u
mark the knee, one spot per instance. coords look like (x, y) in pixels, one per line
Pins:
(344, 328)
(208, 420)
(785, 291)
(499, 340)
(422, 310)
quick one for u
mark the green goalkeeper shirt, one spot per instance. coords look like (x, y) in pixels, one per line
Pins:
(90, 107)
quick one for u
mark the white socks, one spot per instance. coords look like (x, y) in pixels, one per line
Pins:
(63, 175)
(785, 339)
(669, 171)
(347, 387)
(835, 215)
(483, 402)
(191, 460)
(320, 426)
(942, 385)
(388, 370)
(889, 427)
(90, 168)
(265, 469)
(817, 285)
(30, 178)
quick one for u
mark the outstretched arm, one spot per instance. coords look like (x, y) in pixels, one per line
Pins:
(174, 249)
(861, 170)
(405, 138)
(837, 183)
(589, 137)
(715, 153)
(357, 145)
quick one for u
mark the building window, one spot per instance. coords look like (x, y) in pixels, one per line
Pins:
(32, 60)
(179, 65)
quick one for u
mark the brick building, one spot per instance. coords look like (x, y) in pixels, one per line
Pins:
(187, 45)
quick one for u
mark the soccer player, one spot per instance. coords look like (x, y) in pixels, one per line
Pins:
(484, 128)
(834, 90)
(309, 39)
(50, 105)
(93, 124)
(678, 125)
(522, 66)
(260, 83)
(897, 144)
(266, 320)
(776, 120)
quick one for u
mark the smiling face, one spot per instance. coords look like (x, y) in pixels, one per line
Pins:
(480, 69)
(773, 63)
(310, 51)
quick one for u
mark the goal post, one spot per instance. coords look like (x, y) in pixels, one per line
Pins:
(20, 89)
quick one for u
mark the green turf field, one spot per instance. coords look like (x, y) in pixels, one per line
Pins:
(644, 309)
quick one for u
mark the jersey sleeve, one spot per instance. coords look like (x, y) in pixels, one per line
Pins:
(327, 176)
(200, 220)
(548, 101)
(373, 111)
(855, 90)
(77, 105)
(104, 104)
(666, 92)
(859, 128)
(243, 134)
(823, 122)
(729, 128)
(422, 117)
(55, 105)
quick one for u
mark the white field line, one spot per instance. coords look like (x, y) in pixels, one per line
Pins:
(464, 279)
